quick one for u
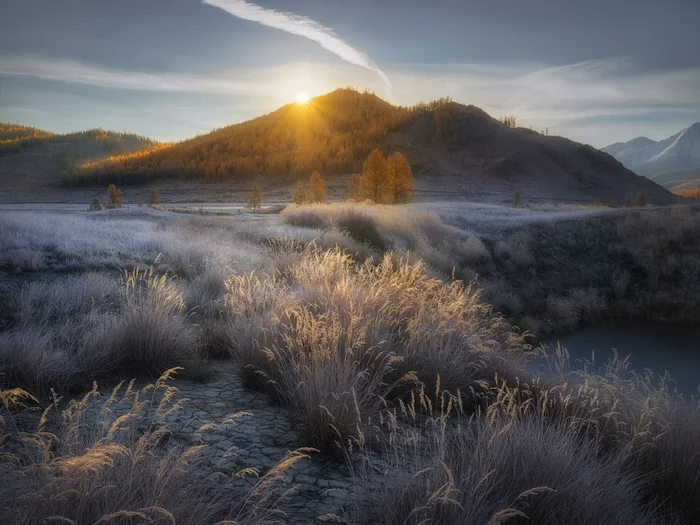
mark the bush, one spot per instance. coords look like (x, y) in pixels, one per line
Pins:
(95, 205)
(361, 227)
(304, 218)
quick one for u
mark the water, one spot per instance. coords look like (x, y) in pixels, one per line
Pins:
(656, 347)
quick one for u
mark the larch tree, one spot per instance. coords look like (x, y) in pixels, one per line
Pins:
(299, 196)
(255, 198)
(115, 196)
(318, 187)
(373, 178)
(399, 178)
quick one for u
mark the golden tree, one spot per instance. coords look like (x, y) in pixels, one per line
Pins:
(318, 187)
(255, 198)
(399, 179)
(373, 179)
(299, 196)
(115, 196)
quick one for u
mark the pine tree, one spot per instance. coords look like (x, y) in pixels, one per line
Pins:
(400, 179)
(255, 198)
(373, 178)
(299, 196)
(318, 187)
(115, 196)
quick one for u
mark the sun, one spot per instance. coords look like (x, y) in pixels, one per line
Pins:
(302, 97)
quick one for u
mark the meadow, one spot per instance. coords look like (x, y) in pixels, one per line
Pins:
(397, 341)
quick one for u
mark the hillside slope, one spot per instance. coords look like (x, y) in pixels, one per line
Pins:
(31, 158)
(455, 150)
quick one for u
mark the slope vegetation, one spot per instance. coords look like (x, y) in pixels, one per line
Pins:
(451, 146)
(32, 158)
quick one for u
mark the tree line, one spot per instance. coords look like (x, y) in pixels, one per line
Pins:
(382, 180)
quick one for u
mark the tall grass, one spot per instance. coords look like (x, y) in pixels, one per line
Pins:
(335, 339)
(73, 331)
(489, 472)
(349, 316)
(98, 467)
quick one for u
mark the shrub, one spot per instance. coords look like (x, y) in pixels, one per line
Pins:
(361, 227)
(95, 205)
(304, 218)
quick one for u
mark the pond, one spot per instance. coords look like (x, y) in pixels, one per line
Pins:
(657, 347)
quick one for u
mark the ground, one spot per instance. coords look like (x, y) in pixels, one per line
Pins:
(307, 324)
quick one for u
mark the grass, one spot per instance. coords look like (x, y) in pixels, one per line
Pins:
(100, 468)
(368, 330)
(534, 472)
(378, 328)
(73, 331)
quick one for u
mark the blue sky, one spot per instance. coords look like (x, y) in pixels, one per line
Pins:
(595, 71)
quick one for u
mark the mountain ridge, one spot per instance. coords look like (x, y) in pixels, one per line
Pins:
(678, 153)
(453, 148)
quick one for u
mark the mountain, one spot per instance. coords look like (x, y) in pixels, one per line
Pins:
(31, 158)
(456, 151)
(666, 161)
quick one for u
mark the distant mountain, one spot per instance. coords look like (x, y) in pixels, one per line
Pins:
(455, 150)
(31, 157)
(662, 161)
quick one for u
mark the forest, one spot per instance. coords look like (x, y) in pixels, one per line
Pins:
(333, 134)
(15, 138)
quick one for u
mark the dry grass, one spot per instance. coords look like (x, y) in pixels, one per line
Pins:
(71, 332)
(368, 330)
(99, 467)
(346, 315)
(492, 473)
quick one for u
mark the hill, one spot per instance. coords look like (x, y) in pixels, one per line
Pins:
(679, 179)
(31, 158)
(664, 160)
(454, 149)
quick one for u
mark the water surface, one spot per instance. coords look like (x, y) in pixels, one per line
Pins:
(657, 347)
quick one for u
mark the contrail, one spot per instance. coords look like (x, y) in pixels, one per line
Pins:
(299, 25)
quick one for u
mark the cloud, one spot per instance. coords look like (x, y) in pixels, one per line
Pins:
(599, 102)
(301, 26)
(66, 70)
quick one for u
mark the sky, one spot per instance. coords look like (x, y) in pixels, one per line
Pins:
(596, 71)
